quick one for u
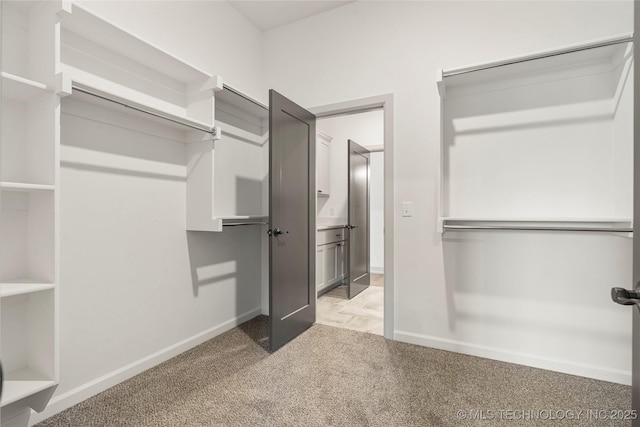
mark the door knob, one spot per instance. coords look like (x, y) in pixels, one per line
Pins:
(625, 296)
(276, 232)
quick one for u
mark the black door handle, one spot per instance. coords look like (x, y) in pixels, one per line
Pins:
(625, 296)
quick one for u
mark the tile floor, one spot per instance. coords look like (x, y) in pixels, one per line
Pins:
(364, 312)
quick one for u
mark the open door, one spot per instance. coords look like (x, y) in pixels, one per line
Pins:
(292, 172)
(621, 295)
(358, 196)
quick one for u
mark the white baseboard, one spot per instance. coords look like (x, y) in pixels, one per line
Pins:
(564, 366)
(85, 391)
(376, 270)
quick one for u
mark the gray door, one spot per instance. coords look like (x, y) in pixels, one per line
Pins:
(620, 295)
(358, 194)
(635, 367)
(292, 254)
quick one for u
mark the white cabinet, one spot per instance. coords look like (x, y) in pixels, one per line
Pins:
(330, 258)
(323, 168)
(330, 263)
(341, 260)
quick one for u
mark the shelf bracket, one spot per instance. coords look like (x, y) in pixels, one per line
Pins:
(63, 85)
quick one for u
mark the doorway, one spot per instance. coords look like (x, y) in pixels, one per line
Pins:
(351, 273)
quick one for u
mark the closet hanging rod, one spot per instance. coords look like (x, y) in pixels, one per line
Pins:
(242, 95)
(245, 223)
(562, 51)
(211, 131)
(524, 228)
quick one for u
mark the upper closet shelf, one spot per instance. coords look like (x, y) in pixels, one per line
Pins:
(605, 53)
(242, 102)
(110, 63)
(94, 95)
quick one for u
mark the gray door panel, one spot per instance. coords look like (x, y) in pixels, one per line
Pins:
(635, 368)
(359, 277)
(292, 249)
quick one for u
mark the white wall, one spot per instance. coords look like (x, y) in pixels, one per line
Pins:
(461, 293)
(136, 288)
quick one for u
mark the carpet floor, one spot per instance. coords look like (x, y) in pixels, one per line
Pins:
(338, 377)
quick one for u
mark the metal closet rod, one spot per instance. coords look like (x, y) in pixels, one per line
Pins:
(623, 39)
(211, 131)
(244, 223)
(515, 228)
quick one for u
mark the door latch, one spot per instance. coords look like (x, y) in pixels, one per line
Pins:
(625, 296)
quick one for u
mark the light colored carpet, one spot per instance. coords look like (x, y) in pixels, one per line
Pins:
(336, 377)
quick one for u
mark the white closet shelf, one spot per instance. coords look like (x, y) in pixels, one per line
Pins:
(15, 390)
(586, 224)
(242, 102)
(21, 89)
(23, 286)
(108, 65)
(110, 36)
(606, 52)
(22, 186)
(121, 97)
(236, 220)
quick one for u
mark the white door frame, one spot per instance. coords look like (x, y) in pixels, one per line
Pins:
(385, 102)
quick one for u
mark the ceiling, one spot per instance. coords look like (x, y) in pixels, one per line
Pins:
(268, 14)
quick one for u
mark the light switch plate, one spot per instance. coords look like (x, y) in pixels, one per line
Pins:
(407, 208)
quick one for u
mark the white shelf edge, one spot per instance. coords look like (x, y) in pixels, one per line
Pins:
(625, 37)
(24, 81)
(24, 286)
(238, 217)
(15, 390)
(217, 223)
(21, 88)
(23, 186)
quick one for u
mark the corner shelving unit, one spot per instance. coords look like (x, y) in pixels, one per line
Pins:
(29, 275)
(53, 50)
(228, 185)
(110, 66)
(539, 141)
